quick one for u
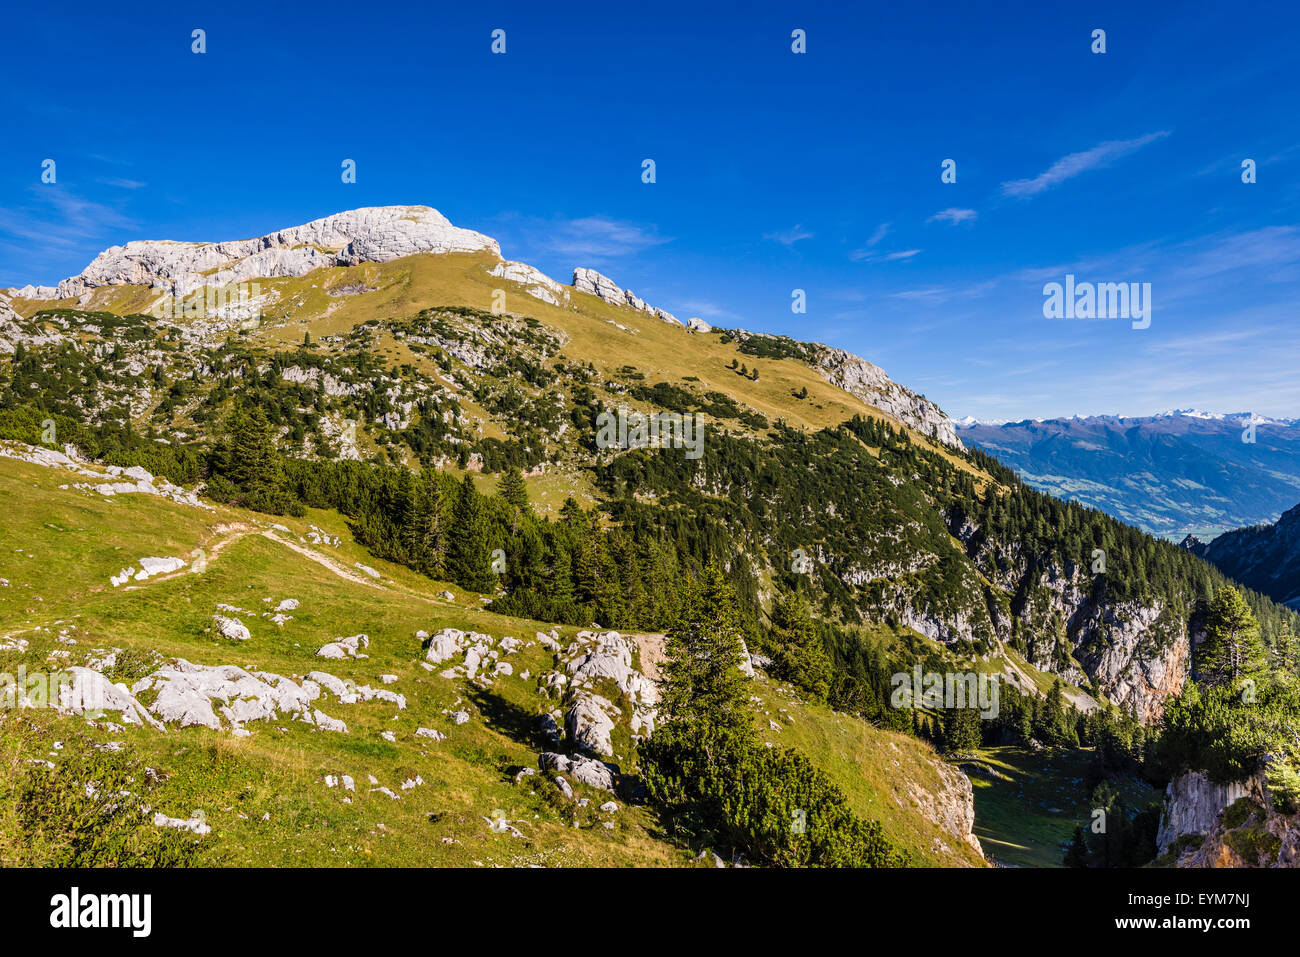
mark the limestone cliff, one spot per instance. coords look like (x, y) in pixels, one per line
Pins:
(1139, 655)
(1230, 824)
(602, 287)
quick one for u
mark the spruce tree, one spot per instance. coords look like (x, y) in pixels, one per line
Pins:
(511, 487)
(1232, 649)
(961, 730)
(251, 460)
(423, 531)
(1077, 855)
(468, 561)
(559, 583)
(702, 683)
(799, 654)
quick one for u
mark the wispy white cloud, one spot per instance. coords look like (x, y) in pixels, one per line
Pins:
(790, 236)
(124, 183)
(56, 233)
(705, 309)
(56, 216)
(584, 241)
(1271, 248)
(954, 216)
(867, 256)
(939, 294)
(1068, 167)
(878, 235)
(598, 236)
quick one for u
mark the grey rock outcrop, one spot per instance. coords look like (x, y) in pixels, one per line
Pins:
(1193, 803)
(590, 724)
(535, 282)
(951, 805)
(602, 287)
(869, 383)
(1249, 830)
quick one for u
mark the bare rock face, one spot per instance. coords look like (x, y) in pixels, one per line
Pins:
(1193, 803)
(1232, 824)
(15, 331)
(1139, 654)
(869, 383)
(590, 724)
(952, 806)
(1146, 661)
(535, 282)
(423, 230)
(371, 234)
(602, 287)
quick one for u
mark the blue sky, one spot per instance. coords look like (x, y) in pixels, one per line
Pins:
(775, 171)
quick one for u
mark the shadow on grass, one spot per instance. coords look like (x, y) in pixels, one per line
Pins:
(516, 723)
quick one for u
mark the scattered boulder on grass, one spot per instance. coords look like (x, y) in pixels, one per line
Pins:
(158, 566)
(345, 647)
(90, 692)
(588, 771)
(589, 723)
(231, 628)
(326, 723)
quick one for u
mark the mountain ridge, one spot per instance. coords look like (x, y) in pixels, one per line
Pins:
(383, 234)
(1265, 557)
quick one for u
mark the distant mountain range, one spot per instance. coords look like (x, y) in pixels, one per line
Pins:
(1174, 473)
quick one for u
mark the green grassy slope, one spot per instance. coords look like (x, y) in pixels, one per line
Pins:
(264, 795)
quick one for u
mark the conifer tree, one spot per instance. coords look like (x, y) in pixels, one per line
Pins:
(468, 563)
(800, 655)
(702, 682)
(253, 463)
(1232, 648)
(961, 730)
(511, 487)
(559, 583)
(423, 531)
(1077, 855)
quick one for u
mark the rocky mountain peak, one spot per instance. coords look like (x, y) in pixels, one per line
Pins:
(369, 234)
